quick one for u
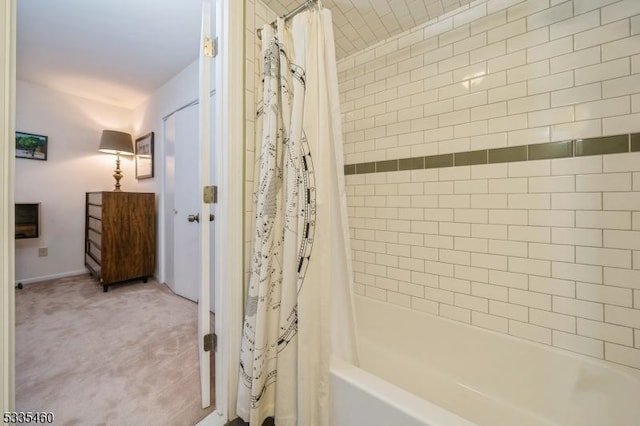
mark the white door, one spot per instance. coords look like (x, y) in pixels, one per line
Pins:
(191, 160)
(182, 129)
(182, 133)
(195, 155)
(186, 240)
(206, 153)
(188, 217)
(229, 131)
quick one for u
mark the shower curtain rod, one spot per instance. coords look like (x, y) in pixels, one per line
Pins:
(291, 14)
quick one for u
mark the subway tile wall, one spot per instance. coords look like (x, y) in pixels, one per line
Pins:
(256, 15)
(545, 250)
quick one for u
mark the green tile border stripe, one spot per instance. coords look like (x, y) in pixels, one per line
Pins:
(601, 145)
(437, 161)
(635, 142)
(411, 163)
(605, 145)
(470, 158)
(362, 168)
(546, 151)
(350, 169)
(508, 155)
(387, 166)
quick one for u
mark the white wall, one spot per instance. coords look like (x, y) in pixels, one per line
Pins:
(543, 250)
(148, 117)
(73, 167)
(175, 93)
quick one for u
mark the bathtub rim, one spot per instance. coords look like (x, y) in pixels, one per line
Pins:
(393, 395)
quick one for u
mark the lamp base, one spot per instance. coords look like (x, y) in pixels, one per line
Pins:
(117, 174)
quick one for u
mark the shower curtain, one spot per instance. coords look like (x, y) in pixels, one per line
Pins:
(299, 310)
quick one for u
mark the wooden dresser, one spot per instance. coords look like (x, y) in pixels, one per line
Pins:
(120, 240)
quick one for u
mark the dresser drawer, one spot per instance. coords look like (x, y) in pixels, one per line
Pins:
(94, 250)
(95, 224)
(95, 237)
(92, 264)
(95, 198)
(95, 211)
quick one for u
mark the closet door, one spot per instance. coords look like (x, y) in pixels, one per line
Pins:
(186, 247)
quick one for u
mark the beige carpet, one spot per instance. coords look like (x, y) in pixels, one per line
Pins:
(126, 357)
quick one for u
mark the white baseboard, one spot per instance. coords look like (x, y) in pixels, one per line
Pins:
(25, 281)
(214, 419)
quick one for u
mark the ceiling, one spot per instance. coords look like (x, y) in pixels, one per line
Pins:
(361, 23)
(113, 51)
(121, 51)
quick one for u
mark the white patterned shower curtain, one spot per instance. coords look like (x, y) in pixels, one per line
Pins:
(299, 307)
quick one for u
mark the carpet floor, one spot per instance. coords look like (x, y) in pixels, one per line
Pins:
(126, 357)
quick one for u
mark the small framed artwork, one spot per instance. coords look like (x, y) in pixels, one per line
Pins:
(144, 156)
(33, 147)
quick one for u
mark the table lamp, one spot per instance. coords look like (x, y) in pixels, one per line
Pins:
(118, 143)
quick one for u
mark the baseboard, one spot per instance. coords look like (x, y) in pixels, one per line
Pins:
(25, 281)
(214, 419)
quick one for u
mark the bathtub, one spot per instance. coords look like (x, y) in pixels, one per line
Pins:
(420, 369)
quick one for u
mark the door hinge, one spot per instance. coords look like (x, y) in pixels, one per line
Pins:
(210, 194)
(211, 47)
(210, 342)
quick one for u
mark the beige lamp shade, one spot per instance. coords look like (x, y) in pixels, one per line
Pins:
(114, 142)
(118, 143)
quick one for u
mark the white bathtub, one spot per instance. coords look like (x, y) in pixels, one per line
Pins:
(419, 369)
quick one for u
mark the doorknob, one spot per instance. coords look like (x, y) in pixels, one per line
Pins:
(196, 218)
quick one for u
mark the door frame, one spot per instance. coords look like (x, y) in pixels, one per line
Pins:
(229, 236)
(229, 267)
(7, 176)
(228, 239)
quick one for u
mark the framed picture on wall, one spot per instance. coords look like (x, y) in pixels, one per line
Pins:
(144, 156)
(33, 147)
